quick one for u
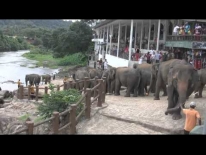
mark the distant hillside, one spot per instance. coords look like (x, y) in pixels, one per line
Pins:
(51, 24)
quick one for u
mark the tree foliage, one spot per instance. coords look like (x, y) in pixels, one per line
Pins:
(12, 44)
(76, 38)
(63, 41)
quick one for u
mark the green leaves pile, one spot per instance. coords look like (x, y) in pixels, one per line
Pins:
(58, 101)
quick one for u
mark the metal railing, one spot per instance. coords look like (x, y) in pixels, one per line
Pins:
(186, 38)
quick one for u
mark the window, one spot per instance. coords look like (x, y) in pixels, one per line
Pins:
(152, 33)
(161, 31)
(170, 28)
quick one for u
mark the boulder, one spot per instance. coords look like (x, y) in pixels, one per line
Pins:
(5, 94)
(1, 101)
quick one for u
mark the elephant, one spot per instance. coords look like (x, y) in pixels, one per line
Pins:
(202, 82)
(110, 83)
(46, 78)
(128, 77)
(148, 77)
(162, 75)
(33, 79)
(95, 73)
(81, 74)
(91, 73)
(182, 81)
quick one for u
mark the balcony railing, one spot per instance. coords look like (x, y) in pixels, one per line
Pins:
(201, 38)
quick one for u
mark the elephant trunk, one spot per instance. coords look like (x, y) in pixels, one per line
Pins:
(182, 91)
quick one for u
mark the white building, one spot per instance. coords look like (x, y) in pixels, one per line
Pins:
(146, 35)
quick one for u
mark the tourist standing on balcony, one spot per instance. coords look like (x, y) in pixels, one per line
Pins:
(187, 28)
(181, 30)
(197, 31)
(176, 30)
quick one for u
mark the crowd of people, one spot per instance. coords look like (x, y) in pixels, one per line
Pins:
(103, 64)
(150, 57)
(186, 29)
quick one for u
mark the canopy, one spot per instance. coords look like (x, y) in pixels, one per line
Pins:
(198, 130)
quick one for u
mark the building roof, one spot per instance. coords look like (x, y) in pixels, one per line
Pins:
(104, 23)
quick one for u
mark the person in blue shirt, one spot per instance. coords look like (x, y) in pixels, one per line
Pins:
(187, 28)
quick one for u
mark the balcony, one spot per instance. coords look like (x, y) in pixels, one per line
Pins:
(200, 38)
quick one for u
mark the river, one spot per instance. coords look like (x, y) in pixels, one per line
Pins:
(13, 67)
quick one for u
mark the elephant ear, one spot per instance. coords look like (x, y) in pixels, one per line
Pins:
(113, 73)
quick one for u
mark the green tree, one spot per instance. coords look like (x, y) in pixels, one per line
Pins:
(76, 38)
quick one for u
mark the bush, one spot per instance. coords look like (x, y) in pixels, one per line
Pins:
(58, 101)
(74, 59)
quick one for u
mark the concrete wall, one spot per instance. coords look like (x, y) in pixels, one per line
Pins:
(115, 61)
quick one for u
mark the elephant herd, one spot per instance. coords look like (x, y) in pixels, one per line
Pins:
(177, 78)
(36, 79)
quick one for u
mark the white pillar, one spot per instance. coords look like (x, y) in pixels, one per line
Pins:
(158, 36)
(107, 38)
(111, 34)
(141, 36)
(130, 40)
(119, 33)
(149, 34)
(135, 38)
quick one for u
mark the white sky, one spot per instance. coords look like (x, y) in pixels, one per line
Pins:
(73, 20)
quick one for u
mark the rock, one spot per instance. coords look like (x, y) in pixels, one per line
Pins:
(1, 101)
(5, 94)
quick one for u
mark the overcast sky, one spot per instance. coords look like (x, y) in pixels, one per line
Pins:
(73, 20)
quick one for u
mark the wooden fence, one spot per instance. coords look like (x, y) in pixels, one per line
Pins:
(99, 90)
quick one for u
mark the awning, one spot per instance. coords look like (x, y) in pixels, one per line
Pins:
(198, 130)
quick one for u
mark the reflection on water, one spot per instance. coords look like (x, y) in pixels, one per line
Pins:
(13, 67)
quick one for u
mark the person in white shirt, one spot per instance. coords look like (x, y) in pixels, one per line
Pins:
(152, 57)
(157, 57)
(105, 64)
(176, 30)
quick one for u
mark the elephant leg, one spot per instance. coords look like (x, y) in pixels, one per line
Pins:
(171, 98)
(129, 89)
(158, 86)
(112, 89)
(117, 87)
(200, 90)
(153, 87)
(141, 88)
(135, 92)
(164, 90)
(145, 88)
(132, 91)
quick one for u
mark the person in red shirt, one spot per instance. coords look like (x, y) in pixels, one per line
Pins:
(137, 55)
(148, 56)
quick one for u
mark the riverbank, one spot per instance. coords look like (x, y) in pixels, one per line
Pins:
(45, 58)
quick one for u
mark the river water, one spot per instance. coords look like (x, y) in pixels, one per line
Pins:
(13, 67)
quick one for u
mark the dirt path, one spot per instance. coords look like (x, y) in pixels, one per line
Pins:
(141, 115)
